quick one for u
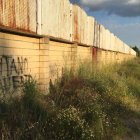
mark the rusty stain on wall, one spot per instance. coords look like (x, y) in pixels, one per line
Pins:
(59, 19)
(13, 72)
(75, 24)
(21, 56)
(18, 14)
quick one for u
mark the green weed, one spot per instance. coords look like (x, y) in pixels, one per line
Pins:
(84, 104)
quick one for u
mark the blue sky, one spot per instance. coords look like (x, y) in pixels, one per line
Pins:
(122, 17)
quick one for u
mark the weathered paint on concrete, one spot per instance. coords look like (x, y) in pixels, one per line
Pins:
(59, 19)
(90, 31)
(56, 18)
(96, 39)
(19, 15)
(107, 43)
(81, 25)
(112, 42)
(24, 57)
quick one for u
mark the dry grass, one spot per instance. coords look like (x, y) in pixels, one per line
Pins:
(86, 104)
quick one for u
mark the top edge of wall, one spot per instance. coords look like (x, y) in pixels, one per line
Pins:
(68, 22)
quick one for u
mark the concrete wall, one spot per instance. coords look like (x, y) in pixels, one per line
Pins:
(68, 36)
(58, 19)
(19, 15)
(96, 37)
(44, 59)
(19, 58)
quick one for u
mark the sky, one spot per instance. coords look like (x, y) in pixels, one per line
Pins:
(122, 17)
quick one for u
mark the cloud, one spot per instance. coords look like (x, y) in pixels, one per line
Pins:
(124, 8)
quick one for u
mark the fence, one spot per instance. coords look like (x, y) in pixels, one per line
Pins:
(44, 59)
(59, 19)
(68, 35)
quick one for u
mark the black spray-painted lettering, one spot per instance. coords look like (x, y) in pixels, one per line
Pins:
(13, 72)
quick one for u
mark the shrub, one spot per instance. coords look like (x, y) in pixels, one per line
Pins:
(85, 104)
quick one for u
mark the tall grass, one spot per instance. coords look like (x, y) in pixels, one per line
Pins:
(86, 104)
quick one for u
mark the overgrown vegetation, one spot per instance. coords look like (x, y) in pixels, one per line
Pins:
(88, 104)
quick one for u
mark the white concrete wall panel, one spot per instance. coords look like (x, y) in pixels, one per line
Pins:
(64, 30)
(19, 15)
(59, 19)
(112, 42)
(81, 25)
(109, 40)
(50, 23)
(75, 24)
(116, 46)
(56, 18)
(32, 15)
(119, 45)
(123, 47)
(96, 39)
(90, 30)
(127, 50)
(103, 37)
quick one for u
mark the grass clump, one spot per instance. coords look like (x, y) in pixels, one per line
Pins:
(86, 104)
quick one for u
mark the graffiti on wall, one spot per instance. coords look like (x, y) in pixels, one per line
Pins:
(13, 72)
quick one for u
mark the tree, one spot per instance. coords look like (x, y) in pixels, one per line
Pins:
(137, 50)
